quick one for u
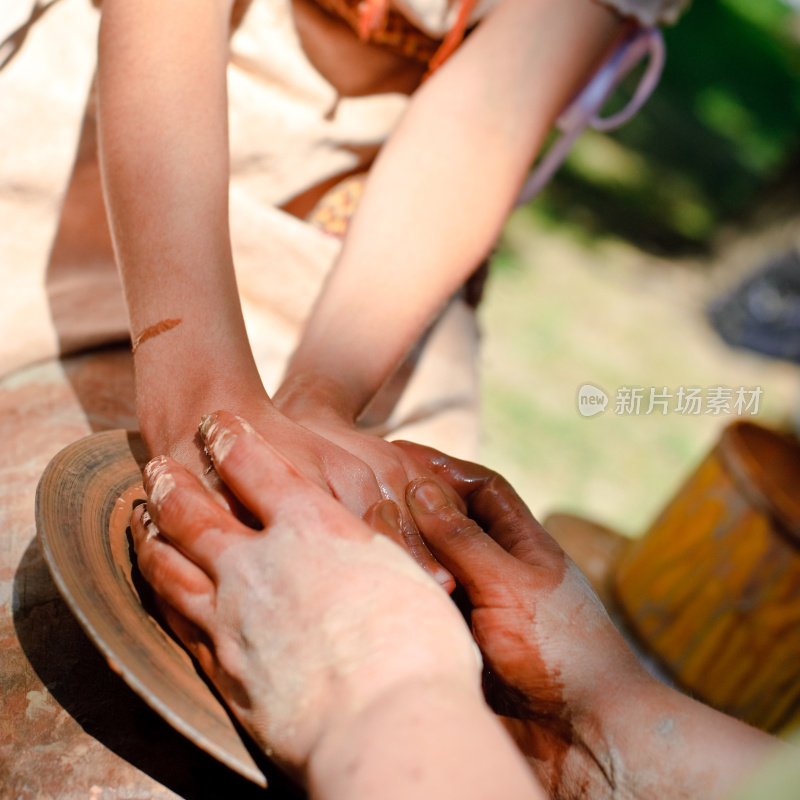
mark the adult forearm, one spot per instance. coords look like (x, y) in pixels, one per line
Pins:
(444, 183)
(711, 752)
(655, 742)
(425, 740)
(164, 157)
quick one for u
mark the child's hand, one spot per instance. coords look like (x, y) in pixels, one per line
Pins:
(315, 408)
(319, 460)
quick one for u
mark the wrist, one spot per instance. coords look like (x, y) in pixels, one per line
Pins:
(423, 738)
(307, 395)
(645, 739)
(598, 753)
(177, 382)
(667, 744)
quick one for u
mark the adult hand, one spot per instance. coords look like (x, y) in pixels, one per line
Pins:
(304, 625)
(555, 660)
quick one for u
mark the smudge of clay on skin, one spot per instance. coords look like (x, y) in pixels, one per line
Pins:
(553, 741)
(219, 442)
(665, 727)
(246, 426)
(587, 618)
(302, 688)
(550, 740)
(152, 331)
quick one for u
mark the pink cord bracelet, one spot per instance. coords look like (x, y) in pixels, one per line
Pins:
(584, 111)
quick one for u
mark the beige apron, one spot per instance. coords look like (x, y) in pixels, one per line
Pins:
(288, 130)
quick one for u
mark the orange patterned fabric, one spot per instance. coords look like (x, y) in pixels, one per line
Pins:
(383, 26)
(335, 208)
(374, 21)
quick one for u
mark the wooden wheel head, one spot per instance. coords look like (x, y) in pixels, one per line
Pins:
(84, 502)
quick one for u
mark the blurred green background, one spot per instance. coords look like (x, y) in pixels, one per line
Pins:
(606, 276)
(720, 131)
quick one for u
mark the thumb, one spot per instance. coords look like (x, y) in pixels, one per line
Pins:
(385, 517)
(476, 561)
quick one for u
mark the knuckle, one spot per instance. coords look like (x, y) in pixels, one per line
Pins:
(392, 480)
(454, 526)
(148, 562)
(363, 474)
(498, 485)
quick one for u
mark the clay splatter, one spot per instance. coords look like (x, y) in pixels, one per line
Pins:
(154, 330)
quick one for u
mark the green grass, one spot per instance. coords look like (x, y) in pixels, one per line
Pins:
(560, 313)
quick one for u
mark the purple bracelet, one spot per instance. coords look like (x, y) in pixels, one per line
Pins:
(585, 109)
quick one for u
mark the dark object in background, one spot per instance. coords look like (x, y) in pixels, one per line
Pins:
(763, 313)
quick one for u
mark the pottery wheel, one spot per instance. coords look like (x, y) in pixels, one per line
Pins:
(83, 506)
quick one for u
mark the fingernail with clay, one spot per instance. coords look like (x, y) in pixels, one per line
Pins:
(151, 531)
(159, 478)
(218, 438)
(427, 496)
(206, 425)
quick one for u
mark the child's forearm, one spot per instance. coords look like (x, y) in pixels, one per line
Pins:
(164, 156)
(442, 187)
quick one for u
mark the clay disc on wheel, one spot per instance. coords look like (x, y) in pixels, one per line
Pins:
(83, 506)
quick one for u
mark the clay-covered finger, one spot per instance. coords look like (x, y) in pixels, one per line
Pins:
(414, 469)
(463, 476)
(493, 503)
(386, 518)
(258, 474)
(187, 515)
(415, 544)
(193, 638)
(506, 518)
(478, 563)
(176, 580)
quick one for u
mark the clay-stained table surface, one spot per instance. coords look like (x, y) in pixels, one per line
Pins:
(69, 726)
